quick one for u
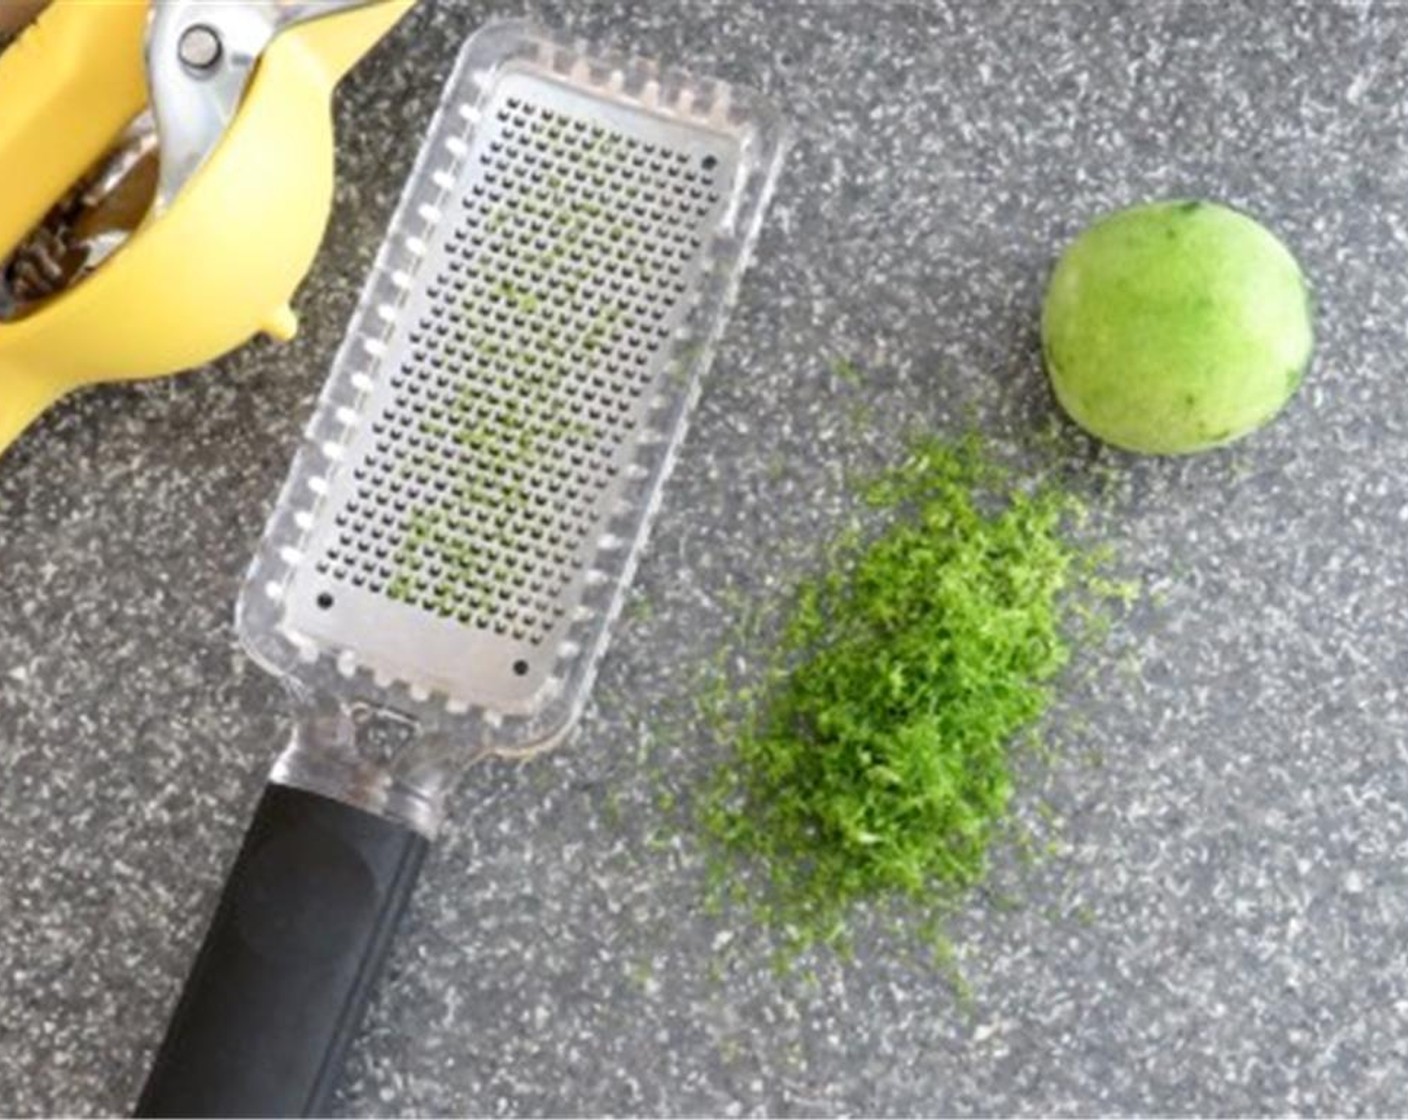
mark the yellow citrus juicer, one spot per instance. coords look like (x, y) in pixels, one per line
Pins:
(167, 177)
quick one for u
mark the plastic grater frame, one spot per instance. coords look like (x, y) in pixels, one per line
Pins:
(496, 720)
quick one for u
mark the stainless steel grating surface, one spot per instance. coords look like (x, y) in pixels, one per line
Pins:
(517, 384)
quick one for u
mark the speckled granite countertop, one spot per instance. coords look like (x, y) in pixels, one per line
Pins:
(1227, 928)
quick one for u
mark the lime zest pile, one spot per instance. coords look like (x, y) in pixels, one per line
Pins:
(874, 760)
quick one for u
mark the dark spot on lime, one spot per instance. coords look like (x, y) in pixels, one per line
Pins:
(1190, 207)
(1293, 379)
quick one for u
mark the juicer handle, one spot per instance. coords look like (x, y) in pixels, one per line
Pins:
(288, 963)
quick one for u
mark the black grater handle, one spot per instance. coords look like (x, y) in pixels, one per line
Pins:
(289, 961)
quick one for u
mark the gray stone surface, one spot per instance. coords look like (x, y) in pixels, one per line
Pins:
(1226, 929)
